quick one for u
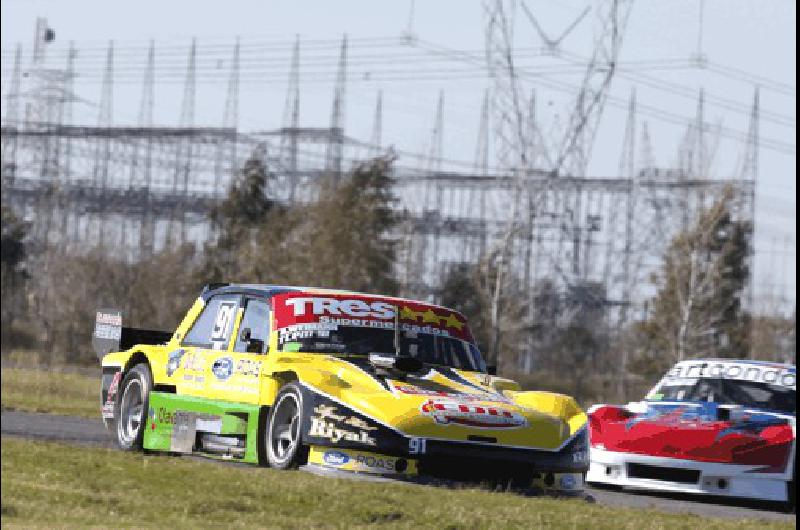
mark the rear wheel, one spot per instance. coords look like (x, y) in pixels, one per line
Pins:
(283, 440)
(131, 409)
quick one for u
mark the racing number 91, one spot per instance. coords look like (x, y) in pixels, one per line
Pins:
(223, 321)
(417, 446)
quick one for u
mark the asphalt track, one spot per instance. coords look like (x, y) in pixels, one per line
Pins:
(81, 431)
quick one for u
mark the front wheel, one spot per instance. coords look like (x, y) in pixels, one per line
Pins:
(131, 408)
(283, 440)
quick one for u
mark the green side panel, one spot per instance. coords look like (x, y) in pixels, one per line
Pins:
(219, 417)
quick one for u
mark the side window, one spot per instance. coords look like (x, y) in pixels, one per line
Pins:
(254, 329)
(213, 327)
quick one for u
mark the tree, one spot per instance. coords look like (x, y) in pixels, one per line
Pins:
(460, 292)
(345, 240)
(13, 272)
(774, 337)
(472, 290)
(342, 240)
(237, 218)
(698, 308)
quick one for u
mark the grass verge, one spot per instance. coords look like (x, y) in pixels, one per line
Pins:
(47, 484)
(51, 391)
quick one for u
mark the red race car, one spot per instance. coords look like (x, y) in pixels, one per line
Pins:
(715, 426)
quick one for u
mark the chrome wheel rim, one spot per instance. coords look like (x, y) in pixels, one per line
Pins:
(285, 428)
(130, 412)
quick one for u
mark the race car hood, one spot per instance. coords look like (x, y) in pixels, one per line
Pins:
(444, 403)
(706, 432)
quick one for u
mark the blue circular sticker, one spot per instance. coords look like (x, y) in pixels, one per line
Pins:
(222, 368)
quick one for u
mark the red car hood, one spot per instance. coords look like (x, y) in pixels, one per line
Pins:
(695, 431)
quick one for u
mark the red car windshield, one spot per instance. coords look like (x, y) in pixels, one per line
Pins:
(729, 392)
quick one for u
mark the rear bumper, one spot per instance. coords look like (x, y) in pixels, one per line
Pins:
(684, 476)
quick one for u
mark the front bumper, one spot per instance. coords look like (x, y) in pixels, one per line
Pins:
(684, 476)
(438, 467)
(333, 425)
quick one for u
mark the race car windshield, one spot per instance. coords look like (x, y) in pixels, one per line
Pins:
(729, 392)
(355, 340)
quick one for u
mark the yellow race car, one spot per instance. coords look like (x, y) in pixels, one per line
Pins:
(334, 381)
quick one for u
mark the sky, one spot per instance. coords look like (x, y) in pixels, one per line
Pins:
(751, 40)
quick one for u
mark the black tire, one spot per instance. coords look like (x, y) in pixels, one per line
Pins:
(130, 410)
(282, 437)
(261, 444)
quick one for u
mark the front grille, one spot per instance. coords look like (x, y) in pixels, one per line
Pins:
(667, 474)
(475, 469)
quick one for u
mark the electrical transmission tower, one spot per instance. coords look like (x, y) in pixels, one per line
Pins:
(11, 121)
(291, 121)
(226, 150)
(376, 139)
(577, 249)
(511, 143)
(184, 158)
(573, 156)
(335, 144)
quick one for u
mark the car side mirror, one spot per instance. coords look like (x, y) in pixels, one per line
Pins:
(491, 369)
(255, 346)
(246, 333)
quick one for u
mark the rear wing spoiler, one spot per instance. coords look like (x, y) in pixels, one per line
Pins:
(110, 335)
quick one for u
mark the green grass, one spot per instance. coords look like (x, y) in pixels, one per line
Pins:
(47, 484)
(50, 391)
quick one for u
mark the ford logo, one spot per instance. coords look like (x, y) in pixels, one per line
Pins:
(174, 361)
(335, 458)
(567, 482)
(222, 368)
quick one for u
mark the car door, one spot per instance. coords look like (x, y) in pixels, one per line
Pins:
(248, 352)
(205, 358)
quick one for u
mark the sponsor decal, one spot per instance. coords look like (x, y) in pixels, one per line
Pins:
(248, 367)
(108, 325)
(332, 306)
(362, 462)
(335, 458)
(222, 368)
(195, 362)
(326, 424)
(174, 361)
(445, 412)
(376, 463)
(303, 315)
(358, 423)
(111, 319)
(327, 412)
(454, 396)
(108, 407)
(162, 415)
(325, 429)
(742, 371)
(107, 332)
